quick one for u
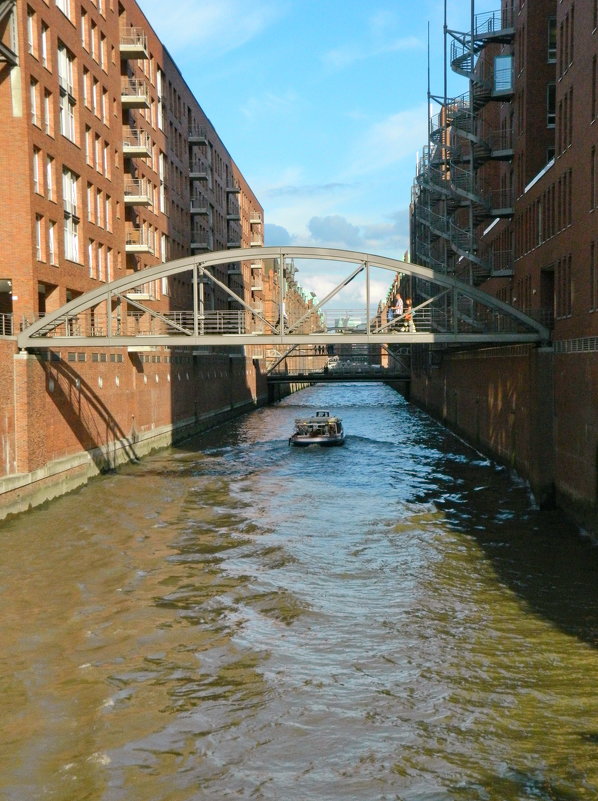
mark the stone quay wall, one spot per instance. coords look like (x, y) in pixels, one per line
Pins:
(532, 409)
(66, 416)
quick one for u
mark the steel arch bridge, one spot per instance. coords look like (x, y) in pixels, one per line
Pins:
(121, 314)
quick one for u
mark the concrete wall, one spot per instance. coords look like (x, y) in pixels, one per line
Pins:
(63, 421)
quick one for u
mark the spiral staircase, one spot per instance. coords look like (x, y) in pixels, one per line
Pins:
(450, 198)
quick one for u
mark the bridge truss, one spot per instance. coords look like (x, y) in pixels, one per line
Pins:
(123, 313)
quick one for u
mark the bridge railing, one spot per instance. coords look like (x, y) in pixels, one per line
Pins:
(465, 316)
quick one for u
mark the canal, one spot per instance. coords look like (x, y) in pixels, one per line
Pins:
(237, 619)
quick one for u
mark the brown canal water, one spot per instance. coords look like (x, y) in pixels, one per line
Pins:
(237, 619)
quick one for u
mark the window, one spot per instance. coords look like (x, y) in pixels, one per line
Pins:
(52, 255)
(36, 171)
(552, 40)
(48, 116)
(92, 41)
(66, 114)
(50, 177)
(67, 93)
(108, 213)
(94, 97)
(65, 7)
(103, 53)
(109, 264)
(39, 237)
(85, 86)
(90, 260)
(65, 69)
(90, 202)
(34, 102)
(84, 33)
(89, 145)
(69, 192)
(551, 105)
(31, 32)
(45, 48)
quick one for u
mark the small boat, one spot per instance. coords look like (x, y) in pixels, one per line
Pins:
(322, 429)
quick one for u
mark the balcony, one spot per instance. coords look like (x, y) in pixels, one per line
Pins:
(198, 135)
(501, 202)
(233, 185)
(255, 218)
(495, 26)
(134, 94)
(235, 269)
(199, 205)
(256, 265)
(199, 169)
(257, 240)
(233, 241)
(138, 240)
(257, 285)
(137, 192)
(233, 216)
(133, 43)
(136, 143)
(201, 239)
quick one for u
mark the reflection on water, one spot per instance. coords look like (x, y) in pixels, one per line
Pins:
(238, 619)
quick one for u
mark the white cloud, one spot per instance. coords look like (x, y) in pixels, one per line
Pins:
(270, 104)
(209, 26)
(348, 54)
(388, 141)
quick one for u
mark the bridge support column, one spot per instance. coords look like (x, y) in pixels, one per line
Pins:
(29, 403)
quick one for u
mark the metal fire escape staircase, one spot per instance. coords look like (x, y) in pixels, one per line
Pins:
(458, 148)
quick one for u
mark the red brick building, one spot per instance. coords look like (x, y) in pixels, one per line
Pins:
(108, 164)
(510, 205)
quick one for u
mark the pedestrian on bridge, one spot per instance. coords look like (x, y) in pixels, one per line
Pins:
(408, 323)
(398, 307)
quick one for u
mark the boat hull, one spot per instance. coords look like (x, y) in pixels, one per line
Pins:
(305, 442)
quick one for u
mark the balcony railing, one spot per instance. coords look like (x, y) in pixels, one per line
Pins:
(136, 142)
(137, 192)
(133, 43)
(201, 239)
(6, 325)
(198, 134)
(493, 22)
(139, 240)
(199, 205)
(255, 218)
(134, 93)
(199, 169)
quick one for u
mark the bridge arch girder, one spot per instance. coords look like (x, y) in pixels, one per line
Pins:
(58, 327)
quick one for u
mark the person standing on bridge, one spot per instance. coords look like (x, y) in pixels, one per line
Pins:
(390, 313)
(408, 324)
(398, 307)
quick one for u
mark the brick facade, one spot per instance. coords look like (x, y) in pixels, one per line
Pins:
(541, 254)
(108, 165)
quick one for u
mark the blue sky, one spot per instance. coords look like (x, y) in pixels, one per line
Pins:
(321, 103)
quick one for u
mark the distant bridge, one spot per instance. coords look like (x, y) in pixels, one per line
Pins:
(121, 313)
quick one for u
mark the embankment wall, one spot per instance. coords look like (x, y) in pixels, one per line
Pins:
(530, 408)
(66, 416)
